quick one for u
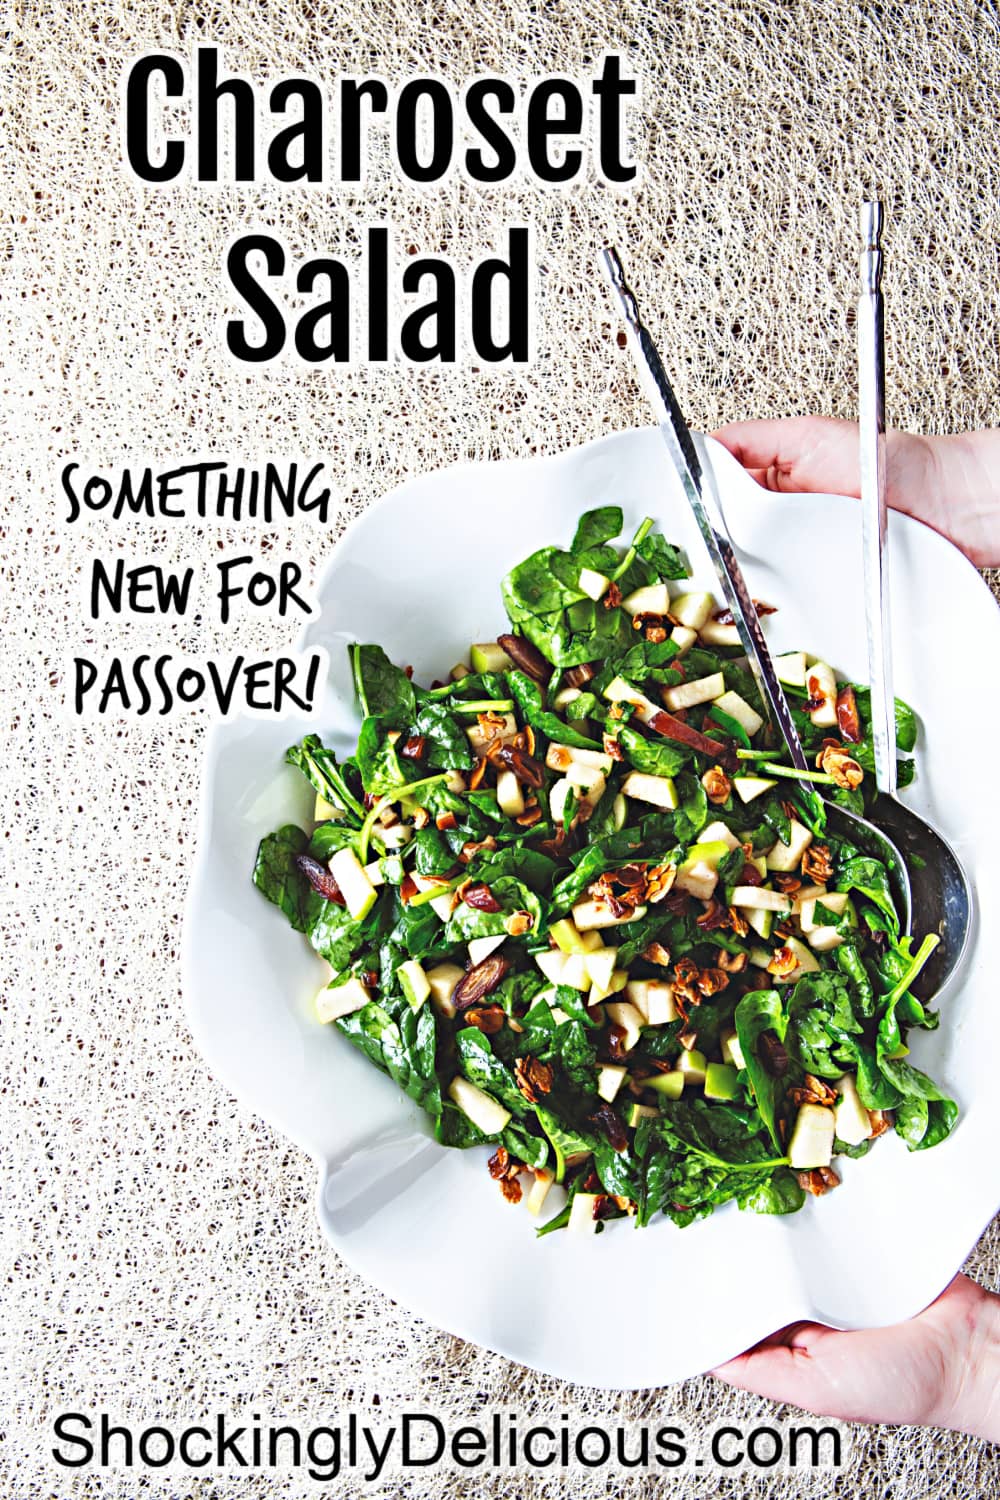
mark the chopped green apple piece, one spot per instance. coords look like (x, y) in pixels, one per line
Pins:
(791, 668)
(761, 922)
(489, 656)
(323, 810)
(807, 964)
(444, 980)
(565, 935)
(693, 1065)
(690, 694)
(587, 779)
(566, 696)
(692, 610)
(624, 1014)
(413, 982)
(658, 790)
(357, 890)
(670, 1085)
(716, 633)
(482, 947)
(683, 638)
(574, 972)
(739, 709)
(510, 798)
(619, 812)
(698, 879)
(620, 691)
(374, 872)
(852, 1121)
(552, 962)
(654, 999)
(639, 1112)
(732, 1052)
(610, 1077)
(595, 585)
(707, 853)
(824, 939)
(590, 915)
(835, 903)
(787, 857)
(759, 898)
(478, 1106)
(717, 833)
(821, 685)
(811, 1144)
(559, 799)
(653, 599)
(459, 670)
(581, 1213)
(560, 757)
(336, 1000)
(721, 1081)
(600, 966)
(760, 957)
(539, 1190)
(749, 787)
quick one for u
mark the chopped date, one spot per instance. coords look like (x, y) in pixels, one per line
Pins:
(772, 1054)
(479, 981)
(525, 767)
(479, 896)
(415, 747)
(848, 718)
(673, 728)
(609, 1124)
(526, 656)
(319, 877)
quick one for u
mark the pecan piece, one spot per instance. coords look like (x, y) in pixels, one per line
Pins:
(446, 820)
(714, 916)
(533, 1078)
(712, 981)
(659, 882)
(817, 863)
(526, 656)
(479, 896)
(488, 1019)
(479, 771)
(529, 817)
(518, 923)
(609, 1124)
(846, 771)
(471, 849)
(319, 877)
(819, 1181)
(415, 747)
(612, 747)
(479, 981)
(525, 767)
(612, 596)
(499, 1163)
(718, 787)
(655, 953)
(733, 963)
(783, 962)
(740, 927)
(848, 719)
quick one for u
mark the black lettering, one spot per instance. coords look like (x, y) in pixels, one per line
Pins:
(335, 309)
(717, 1436)
(109, 1432)
(529, 1447)
(228, 1445)
(590, 1460)
(74, 504)
(246, 285)
(542, 127)
(351, 94)
(184, 1451)
(62, 1432)
(144, 1454)
(378, 294)
(516, 345)
(137, 97)
(437, 1426)
(472, 1439)
(813, 1435)
(440, 311)
(610, 90)
(320, 1467)
(308, 130)
(442, 131)
(752, 1446)
(100, 579)
(671, 1453)
(641, 1458)
(491, 130)
(209, 94)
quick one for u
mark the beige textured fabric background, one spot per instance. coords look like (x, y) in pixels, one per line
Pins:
(160, 1255)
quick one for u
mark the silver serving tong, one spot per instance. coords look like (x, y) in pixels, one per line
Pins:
(694, 468)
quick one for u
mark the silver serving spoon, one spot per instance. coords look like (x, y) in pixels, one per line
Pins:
(698, 482)
(941, 897)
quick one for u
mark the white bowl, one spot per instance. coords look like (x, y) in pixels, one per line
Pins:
(419, 572)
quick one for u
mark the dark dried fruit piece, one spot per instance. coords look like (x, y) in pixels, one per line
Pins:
(526, 656)
(415, 747)
(608, 1122)
(533, 1078)
(848, 718)
(479, 896)
(772, 1054)
(319, 878)
(577, 676)
(673, 728)
(525, 767)
(479, 981)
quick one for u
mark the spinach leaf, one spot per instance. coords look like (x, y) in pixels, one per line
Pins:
(667, 561)
(655, 758)
(595, 527)
(448, 747)
(821, 1019)
(760, 1012)
(320, 768)
(481, 1067)
(404, 1048)
(528, 697)
(861, 872)
(384, 690)
(279, 878)
(512, 895)
(566, 1141)
(539, 585)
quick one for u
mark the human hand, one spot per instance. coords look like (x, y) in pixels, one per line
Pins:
(941, 1369)
(952, 484)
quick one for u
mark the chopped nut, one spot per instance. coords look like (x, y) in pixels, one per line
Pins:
(817, 863)
(518, 923)
(880, 1122)
(533, 1078)
(718, 787)
(612, 597)
(824, 1093)
(488, 1019)
(819, 1181)
(472, 848)
(787, 884)
(655, 953)
(712, 981)
(529, 817)
(511, 1189)
(476, 778)
(733, 963)
(499, 1162)
(612, 747)
(659, 882)
(421, 817)
(783, 963)
(714, 917)
(740, 927)
(845, 771)
(446, 820)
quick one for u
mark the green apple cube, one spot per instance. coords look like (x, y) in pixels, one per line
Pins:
(357, 890)
(670, 1085)
(721, 1081)
(488, 656)
(413, 982)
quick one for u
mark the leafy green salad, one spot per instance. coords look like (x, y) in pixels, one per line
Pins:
(581, 909)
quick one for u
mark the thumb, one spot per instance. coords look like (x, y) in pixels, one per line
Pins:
(810, 454)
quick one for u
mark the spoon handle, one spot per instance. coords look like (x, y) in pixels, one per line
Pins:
(697, 480)
(874, 512)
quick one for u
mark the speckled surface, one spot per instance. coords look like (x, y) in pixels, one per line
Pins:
(161, 1256)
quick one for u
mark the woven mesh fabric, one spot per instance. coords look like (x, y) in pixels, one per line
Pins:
(161, 1254)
